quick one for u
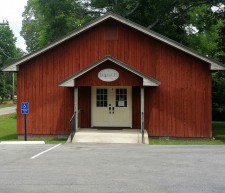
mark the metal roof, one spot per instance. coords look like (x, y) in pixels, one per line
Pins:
(215, 65)
(147, 80)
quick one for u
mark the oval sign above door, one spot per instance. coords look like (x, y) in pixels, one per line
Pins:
(108, 75)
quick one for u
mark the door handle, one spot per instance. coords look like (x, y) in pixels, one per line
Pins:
(109, 110)
(113, 110)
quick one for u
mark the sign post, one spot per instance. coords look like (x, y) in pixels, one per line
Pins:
(25, 111)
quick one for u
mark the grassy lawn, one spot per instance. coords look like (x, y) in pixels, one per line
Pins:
(6, 105)
(8, 131)
(49, 140)
(8, 127)
(185, 142)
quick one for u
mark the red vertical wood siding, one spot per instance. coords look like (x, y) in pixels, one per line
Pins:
(180, 106)
(84, 104)
(136, 107)
(126, 78)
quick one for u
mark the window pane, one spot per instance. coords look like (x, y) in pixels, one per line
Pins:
(121, 97)
(98, 104)
(101, 97)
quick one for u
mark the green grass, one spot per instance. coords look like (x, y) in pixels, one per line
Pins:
(6, 105)
(49, 140)
(8, 131)
(185, 142)
(8, 127)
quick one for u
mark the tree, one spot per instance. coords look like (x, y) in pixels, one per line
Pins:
(219, 77)
(8, 52)
(30, 27)
(202, 35)
(218, 96)
(45, 21)
(167, 17)
(221, 39)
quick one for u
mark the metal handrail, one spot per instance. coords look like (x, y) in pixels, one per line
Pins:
(72, 126)
(72, 117)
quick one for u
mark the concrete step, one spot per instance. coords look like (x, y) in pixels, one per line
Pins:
(109, 136)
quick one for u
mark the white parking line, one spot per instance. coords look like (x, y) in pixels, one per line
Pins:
(45, 151)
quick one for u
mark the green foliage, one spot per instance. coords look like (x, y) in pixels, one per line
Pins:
(204, 40)
(45, 21)
(221, 40)
(30, 27)
(7, 44)
(218, 129)
(8, 52)
(169, 18)
(218, 96)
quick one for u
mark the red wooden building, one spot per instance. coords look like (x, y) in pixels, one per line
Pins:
(116, 73)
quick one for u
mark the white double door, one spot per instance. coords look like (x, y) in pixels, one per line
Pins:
(111, 106)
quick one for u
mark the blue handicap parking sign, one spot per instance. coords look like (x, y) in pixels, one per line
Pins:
(25, 108)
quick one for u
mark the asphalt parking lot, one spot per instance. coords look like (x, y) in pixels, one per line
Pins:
(111, 168)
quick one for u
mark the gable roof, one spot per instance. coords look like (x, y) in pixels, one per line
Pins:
(215, 65)
(147, 80)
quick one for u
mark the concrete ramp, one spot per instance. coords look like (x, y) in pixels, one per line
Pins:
(109, 136)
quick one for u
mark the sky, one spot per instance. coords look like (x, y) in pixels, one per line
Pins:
(11, 10)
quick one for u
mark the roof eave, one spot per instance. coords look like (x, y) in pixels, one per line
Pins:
(214, 65)
(68, 84)
(12, 67)
(147, 81)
